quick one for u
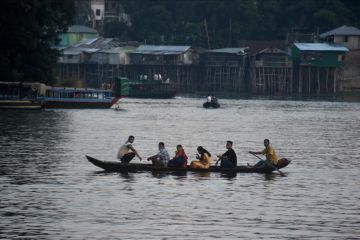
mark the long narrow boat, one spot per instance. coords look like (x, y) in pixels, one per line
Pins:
(59, 97)
(111, 166)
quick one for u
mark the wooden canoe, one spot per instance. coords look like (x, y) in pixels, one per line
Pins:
(112, 166)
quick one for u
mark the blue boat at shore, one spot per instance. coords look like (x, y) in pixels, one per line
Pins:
(59, 97)
(22, 95)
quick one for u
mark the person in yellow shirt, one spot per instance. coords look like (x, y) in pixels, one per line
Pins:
(204, 159)
(270, 154)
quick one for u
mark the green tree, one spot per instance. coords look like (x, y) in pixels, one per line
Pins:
(116, 29)
(29, 28)
(316, 15)
(222, 23)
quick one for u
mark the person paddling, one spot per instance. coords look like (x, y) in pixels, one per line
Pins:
(162, 158)
(124, 155)
(228, 159)
(270, 154)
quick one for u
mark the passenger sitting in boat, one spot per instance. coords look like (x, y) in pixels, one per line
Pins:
(208, 99)
(214, 99)
(124, 155)
(162, 158)
(228, 159)
(269, 152)
(204, 159)
(180, 159)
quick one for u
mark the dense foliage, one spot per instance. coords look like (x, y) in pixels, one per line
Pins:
(221, 23)
(29, 27)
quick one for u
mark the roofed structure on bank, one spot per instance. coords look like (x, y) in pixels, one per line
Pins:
(270, 66)
(99, 50)
(318, 54)
(232, 56)
(164, 54)
(256, 46)
(317, 67)
(346, 35)
(75, 34)
(223, 70)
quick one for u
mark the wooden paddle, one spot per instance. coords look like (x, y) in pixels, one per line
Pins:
(272, 165)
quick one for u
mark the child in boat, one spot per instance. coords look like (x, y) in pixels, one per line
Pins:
(180, 159)
(204, 159)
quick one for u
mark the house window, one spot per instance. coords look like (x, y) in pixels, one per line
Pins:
(97, 12)
(346, 39)
(341, 57)
(312, 56)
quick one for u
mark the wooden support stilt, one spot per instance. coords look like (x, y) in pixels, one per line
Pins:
(327, 79)
(309, 81)
(335, 76)
(300, 80)
(318, 81)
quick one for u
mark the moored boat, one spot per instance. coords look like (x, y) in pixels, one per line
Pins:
(112, 166)
(59, 97)
(146, 88)
(22, 95)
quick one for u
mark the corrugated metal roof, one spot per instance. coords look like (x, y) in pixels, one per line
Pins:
(69, 52)
(85, 42)
(320, 47)
(343, 30)
(161, 49)
(228, 50)
(119, 50)
(81, 29)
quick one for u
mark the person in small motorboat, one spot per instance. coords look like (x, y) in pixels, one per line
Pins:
(124, 155)
(228, 159)
(214, 100)
(208, 99)
(270, 154)
(204, 159)
(180, 159)
(162, 157)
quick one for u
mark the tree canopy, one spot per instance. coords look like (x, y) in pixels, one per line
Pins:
(29, 28)
(221, 23)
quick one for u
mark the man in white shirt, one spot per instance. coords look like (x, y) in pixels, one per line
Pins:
(124, 155)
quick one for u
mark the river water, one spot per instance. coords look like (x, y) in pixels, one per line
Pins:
(50, 191)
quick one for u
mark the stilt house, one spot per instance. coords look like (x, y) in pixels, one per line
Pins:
(317, 67)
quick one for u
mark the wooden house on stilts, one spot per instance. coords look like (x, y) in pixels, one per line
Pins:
(177, 64)
(223, 70)
(270, 67)
(317, 67)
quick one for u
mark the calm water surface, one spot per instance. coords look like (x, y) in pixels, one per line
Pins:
(49, 190)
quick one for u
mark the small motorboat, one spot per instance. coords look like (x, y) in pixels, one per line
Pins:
(211, 105)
